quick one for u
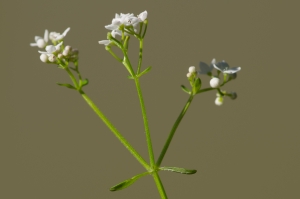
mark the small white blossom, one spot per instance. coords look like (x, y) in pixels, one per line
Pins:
(52, 49)
(189, 75)
(44, 58)
(219, 101)
(224, 67)
(143, 16)
(122, 19)
(55, 36)
(39, 41)
(215, 82)
(204, 68)
(113, 33)
(192, 69)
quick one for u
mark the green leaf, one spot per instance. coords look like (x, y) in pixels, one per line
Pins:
(178, 170)
(185, 89)
(145, 71)
(127, 183)
(84, 82)
(66, 85)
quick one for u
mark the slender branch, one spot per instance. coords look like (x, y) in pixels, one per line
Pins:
(140, 56)
(173, 130)
(72, 77)
(148, 137)
(115, 131)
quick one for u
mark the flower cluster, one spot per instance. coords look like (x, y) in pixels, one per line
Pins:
(215, 82)
(55, 53)
(125, 24)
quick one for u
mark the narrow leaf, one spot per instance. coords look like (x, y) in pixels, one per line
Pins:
(145, 71)
(127, 183)
(185, 89)
(66, 85)
(197, 85)
(178, 170)
(85, 82)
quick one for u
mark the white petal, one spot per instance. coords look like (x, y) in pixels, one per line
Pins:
(46, 36)
(57, 47)
(111, 27)
(232, 70)
(50, 49)
(143, 15)
(42, 52)
(33, 44)
(66, 31)
(105, 42)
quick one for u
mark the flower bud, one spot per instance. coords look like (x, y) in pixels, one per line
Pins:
(66, 52)
(41, 43)
(233, 95)
(75, 51)
(69, 48)
(215, 82)
(52, 58)
(219, 101)
(192, 69)
(44, 58)
(60, 56)
(233, 76)
(189, 75)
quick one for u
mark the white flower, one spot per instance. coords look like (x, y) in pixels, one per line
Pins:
(192, 69)
(215, 82)
(204, 68)
(39, 41)
(143, 16)
(55, 36)
(44, 58)
(113, 33)
(224, 67)
(122, 19)
(219, 101)
(50, 49)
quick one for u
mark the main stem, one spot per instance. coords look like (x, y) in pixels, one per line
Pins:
(159, 185)
(173, 130)
(115, 131)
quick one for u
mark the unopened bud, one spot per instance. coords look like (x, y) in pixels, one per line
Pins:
(60, 56)
(75, 51)
(66, 52)
(233, 95)
(192, 69)
(219, 101)
(69, 48)
(44, 58)
(233, 76)
(189, 75)
(52, 58)
(214, 82)
(41, 43)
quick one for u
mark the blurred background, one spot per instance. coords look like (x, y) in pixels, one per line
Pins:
(53, 145)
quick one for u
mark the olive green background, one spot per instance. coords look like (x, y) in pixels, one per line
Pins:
(53, 145)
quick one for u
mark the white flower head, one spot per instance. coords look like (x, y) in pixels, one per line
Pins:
(214, 82)
(192, 69)
(219, 101)
(143, 16)
(122, 19)
(224, 67)
(205, 69)
(41, 42)
(55, 36)
(50, 49)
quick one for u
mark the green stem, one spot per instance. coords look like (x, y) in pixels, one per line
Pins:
(159, 185)
(72, 77)
(113, 54)
(140, 56)
(173, 130)
(148, 138)
(115, 131)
